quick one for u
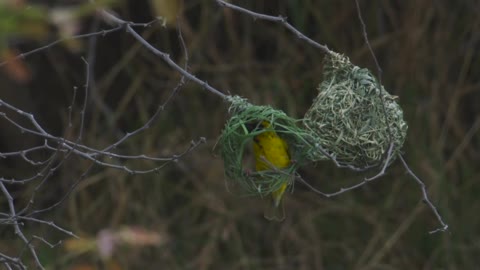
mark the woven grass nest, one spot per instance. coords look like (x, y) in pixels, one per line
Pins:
(353, 118)
(236, 138)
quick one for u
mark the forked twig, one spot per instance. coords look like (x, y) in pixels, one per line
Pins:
(423, 187)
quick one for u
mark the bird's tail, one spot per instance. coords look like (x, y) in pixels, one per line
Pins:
(275, 210)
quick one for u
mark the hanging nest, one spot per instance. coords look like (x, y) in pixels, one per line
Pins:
(353, 118)
(236, 138)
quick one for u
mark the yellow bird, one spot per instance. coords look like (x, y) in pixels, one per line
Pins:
(271, 152)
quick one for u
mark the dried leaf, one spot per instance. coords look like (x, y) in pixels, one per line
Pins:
(15, 67)
(81, 245)
(140, 237)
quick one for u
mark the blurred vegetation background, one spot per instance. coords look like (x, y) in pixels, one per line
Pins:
(428, 51)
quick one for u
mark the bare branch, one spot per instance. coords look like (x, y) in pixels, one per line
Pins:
(85, 99)
(16, 227)
(365, 38)
(7, 260)
(98, 33)
(113, 19)
(90, 153)
(43, 240)
(70, 108)
(386, 162)
(341, 165)
(49, 223)
(425, 197)
(277, 19)
(60, 150)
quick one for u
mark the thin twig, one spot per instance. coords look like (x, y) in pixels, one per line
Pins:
(49, 223)
(39, 49)
(16, 227)
(182, 82)
(377, 65)
(425, 197)
(367, 42)
(86, 88)
(14, 261)
(389, 152)
(340, 165)
(92, 87)
(88, 152)
(68, 149)
(386, 162)
(70, 108)
(43, 240)
(166, 57)
(277, 19)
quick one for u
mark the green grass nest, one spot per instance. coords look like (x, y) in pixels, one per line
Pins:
(353, 118)
(236, 138)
